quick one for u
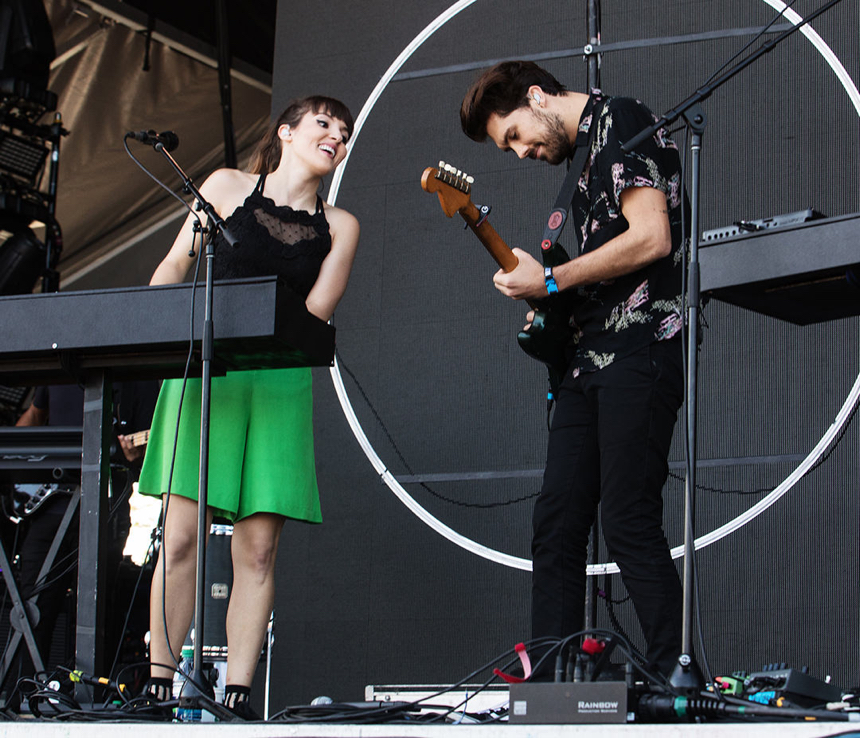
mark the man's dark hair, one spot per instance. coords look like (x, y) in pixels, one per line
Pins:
(501, 90)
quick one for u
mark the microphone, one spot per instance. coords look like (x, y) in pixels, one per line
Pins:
(168, 139)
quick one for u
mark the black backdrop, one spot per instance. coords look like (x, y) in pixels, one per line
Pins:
(430, 365)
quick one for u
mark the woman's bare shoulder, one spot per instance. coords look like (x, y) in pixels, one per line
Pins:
(340, 218)
(229, 179)
(226, 189)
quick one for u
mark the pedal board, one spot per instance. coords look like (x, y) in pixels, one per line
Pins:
(568, 702)
(796, 685)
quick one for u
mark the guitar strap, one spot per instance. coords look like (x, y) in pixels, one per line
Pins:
(557, 220)
(582, 146)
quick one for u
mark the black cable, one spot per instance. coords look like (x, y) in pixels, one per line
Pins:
(157, 180)
(536, 642)
(397, 713)
(51, 700)
(635, 657)
(405, 463)
(610, 611)
(478, 505)
(720, 697)
(400, 712)
(45, 583)
(700, 633)
(281, 716)
(121, 497)
(195, 281)
(447, 711)
(664, 708)
(720, 490)
(194, 284)
(128, 612)
(750, 42)
(762, 490)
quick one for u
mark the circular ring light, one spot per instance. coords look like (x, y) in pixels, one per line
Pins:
(499, 557)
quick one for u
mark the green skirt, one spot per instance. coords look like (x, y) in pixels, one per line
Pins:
(261, 452)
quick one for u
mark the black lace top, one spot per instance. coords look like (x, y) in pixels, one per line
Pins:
(273, 239)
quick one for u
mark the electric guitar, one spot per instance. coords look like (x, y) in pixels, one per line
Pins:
(141, 438)
(26, 499)
(549, 333)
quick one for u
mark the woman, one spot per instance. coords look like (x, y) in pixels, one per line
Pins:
(261, 467)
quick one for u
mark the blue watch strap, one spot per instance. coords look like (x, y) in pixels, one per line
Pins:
(551, 286)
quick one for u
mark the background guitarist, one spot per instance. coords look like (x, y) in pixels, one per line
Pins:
(62, 405)
(617, 405)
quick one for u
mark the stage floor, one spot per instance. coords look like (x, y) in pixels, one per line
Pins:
(482, 704)
(38, 729)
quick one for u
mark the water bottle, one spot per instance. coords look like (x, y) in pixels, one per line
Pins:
(216, 668)
(186, 665)
(179, 676)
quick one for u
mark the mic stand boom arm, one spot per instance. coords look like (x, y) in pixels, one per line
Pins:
(705, 91)
(687, 677)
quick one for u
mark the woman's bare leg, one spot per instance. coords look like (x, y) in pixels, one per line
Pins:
(254, 549)
(172, 595)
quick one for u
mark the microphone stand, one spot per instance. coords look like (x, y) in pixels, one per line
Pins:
(687, 676)
(593, 23)
(192, 690)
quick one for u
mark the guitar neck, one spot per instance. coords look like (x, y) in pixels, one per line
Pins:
(141, 438)
(491, 240)
(453, 188)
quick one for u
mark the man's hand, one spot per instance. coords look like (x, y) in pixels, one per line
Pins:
(525, 281)
(131, 452)
(33, 416)
(530, 318)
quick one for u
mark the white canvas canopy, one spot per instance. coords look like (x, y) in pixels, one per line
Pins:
(116, 222)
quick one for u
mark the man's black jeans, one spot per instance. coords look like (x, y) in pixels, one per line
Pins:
(609, 444)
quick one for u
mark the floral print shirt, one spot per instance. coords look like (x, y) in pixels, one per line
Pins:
(614, 318)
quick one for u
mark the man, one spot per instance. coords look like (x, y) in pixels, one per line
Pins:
(618, 402)
(62, 405)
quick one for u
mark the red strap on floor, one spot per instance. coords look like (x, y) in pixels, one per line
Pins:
(520, 648)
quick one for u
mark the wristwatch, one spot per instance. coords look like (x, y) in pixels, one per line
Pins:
(551, 286)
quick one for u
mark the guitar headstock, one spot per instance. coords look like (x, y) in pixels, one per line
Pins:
(452, 186)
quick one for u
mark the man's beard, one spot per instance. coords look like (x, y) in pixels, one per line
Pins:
(557, 145)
